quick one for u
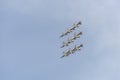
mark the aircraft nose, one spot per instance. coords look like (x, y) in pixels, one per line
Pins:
(81, 33)
(81, 45)
(80, 22)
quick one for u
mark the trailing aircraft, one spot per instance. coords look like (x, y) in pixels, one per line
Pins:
(64, 44)
(77, 35)
(63, 34)
(66, 33)
(70, 41)
(77, 48)
(76, 25)
(67, 43)
(66, 53)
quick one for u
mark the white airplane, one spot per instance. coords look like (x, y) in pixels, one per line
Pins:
(69, 31)
(76, 25)
(66, 33)
(66, 53)
(77, 35)
(63, 34)
(70, 41)
(64, 44)
(77, 48)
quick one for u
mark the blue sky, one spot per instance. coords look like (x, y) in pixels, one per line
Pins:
(30, 43)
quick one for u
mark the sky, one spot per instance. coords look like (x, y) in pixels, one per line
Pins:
(30, 42)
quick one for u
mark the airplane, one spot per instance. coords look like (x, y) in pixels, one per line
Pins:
(64, 44)
(63, 34)
(76, 25)
(66, 53)
(70, 41)
(77, 48)
(77, 35)
(67, 32)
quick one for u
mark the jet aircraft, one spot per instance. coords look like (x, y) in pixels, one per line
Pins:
(67, 32)
(64, 44)
(77, 48)
(67, 43)
(70, 41)
(77, 35)
(67, 53)
(63, 34)
(76, 25)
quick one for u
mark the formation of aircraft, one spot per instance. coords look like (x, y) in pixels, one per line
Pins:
(72, 51)
(69, 30)
(71, 40)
